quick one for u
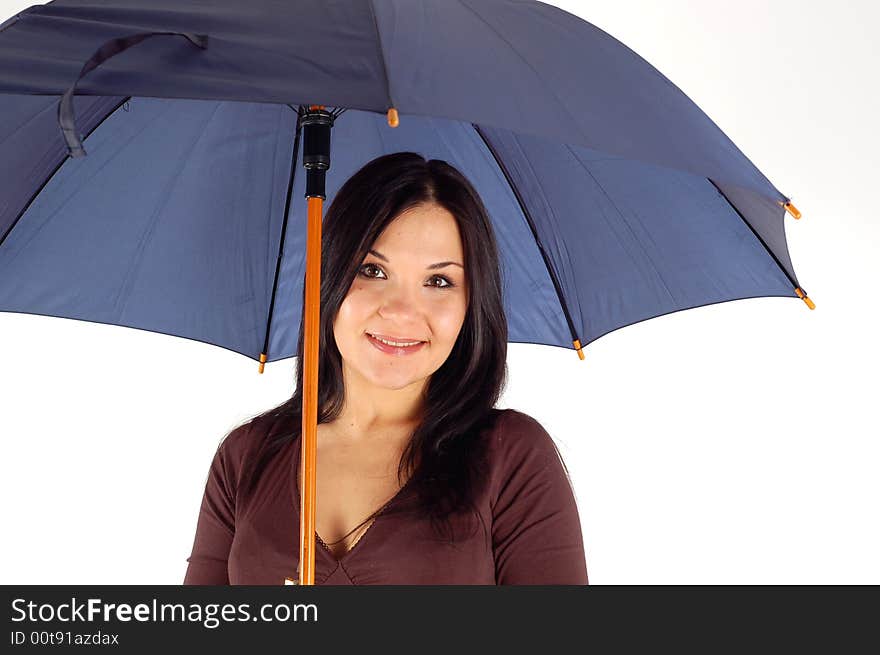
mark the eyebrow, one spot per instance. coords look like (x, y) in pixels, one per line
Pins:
(431, 267)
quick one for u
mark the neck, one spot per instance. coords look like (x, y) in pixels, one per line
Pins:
(375, 412)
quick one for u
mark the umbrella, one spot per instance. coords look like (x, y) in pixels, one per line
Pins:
(149, 154)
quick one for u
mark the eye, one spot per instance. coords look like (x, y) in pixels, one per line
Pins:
(448, 284)
(366, 267)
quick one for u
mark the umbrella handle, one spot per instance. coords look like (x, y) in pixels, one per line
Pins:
(66, 118)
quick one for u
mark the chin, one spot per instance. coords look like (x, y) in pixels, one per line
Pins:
(391, 379)
(393, 383)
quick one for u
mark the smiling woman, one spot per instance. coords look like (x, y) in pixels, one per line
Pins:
(397, 300)
(412, 360)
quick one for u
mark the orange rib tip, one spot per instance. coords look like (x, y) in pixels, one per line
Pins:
(805, 298)
(791, 209)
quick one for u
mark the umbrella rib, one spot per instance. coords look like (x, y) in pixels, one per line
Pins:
(61, 162)
(522, 206)
(791, 281)
(265, 352)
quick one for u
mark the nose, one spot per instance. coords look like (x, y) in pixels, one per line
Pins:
(400, 304)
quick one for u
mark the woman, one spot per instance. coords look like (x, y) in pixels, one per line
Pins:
(413, 343)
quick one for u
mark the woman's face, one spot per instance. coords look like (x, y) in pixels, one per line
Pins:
(411, 286)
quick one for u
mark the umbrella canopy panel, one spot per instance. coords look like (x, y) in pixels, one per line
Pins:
(173, 222)
(523, 66)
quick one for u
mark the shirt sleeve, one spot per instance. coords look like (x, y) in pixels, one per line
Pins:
(215, 529)
(536, 530)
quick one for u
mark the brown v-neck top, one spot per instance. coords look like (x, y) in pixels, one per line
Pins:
(528, 507)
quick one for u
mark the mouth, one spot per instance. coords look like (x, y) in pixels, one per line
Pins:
(396, 345)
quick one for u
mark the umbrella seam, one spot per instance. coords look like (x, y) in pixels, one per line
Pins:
(288, 209)
(27, 122)
(381, 53)
(69, 197)
(551, 214)
(625, 222)
(754, 232)
(57, 168)
(537, 74)
(270, 275)
(148, 234)
(527, 216)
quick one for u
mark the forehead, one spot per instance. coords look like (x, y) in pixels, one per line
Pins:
(421, 232)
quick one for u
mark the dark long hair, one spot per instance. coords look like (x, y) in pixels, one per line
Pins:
(461, 395)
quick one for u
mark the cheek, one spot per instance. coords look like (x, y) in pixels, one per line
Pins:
(448, 318)
(355, 305)
(361, 299)
(349, 318)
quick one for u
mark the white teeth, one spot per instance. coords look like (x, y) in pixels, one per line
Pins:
(395, 343)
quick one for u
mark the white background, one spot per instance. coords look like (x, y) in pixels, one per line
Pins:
(735, 443)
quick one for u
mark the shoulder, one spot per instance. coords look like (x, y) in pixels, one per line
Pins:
(243, 439)
(515, 431)
(520, 447)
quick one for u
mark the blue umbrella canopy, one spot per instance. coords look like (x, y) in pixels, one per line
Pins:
(614, 198)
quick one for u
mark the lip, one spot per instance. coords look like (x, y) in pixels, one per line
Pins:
(394, 350)
(388, 337)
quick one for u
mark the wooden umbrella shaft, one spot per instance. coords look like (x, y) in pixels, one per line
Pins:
(310, 394)
(316, 123)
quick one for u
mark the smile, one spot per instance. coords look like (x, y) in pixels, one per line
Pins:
(392, 349)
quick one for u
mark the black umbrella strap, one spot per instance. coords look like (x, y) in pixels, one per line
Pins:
(66, 118)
